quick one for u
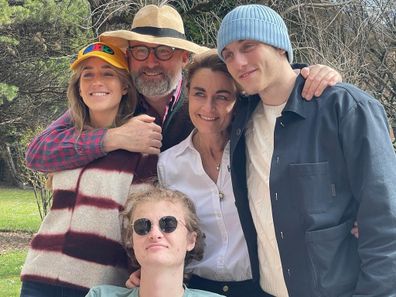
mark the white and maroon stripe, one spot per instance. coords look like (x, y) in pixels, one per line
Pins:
(79, 242)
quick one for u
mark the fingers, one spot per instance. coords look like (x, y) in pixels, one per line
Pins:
(318, 78)
(139, 134)
(355, 230)
(144, 118)
(129, 284)
(304, 72)
(313, 81)
(133, 280)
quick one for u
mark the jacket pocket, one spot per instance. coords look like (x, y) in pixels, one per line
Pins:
(334, 260)
(311, 185)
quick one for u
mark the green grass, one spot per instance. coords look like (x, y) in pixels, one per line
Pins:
(18, 210)
(11, 264)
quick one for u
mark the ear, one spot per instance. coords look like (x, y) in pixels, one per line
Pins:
(185, 58)
(124, 90)
(191, 239)
(282, 52)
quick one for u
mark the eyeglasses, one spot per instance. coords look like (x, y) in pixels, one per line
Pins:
(167, 224)
(161, 52)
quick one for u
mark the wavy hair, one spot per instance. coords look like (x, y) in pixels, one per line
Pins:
(155, 193)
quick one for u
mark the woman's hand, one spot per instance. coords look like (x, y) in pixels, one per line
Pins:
(317, 79)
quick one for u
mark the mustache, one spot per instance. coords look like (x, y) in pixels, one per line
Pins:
(157, 69)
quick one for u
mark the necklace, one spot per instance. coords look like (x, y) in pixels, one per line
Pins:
(218, 167)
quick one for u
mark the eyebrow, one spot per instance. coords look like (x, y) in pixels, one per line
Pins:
(218, 91)
(239, 41)
(106, 66)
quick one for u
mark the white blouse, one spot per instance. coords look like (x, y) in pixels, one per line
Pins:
(226, 255)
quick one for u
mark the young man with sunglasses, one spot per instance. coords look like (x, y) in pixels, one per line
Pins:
(162, 234)
(303, 172)
(157, 51)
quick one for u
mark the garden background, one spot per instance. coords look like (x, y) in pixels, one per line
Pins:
(39, 39)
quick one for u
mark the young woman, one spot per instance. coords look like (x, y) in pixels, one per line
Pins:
(162, 233)
(79, 243)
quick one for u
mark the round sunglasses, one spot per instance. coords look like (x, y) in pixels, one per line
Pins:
(167, 224)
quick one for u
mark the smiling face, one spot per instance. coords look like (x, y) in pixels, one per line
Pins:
(153, 77)
(101, 90)
(158, 248)
(212, 96)
(254, 65)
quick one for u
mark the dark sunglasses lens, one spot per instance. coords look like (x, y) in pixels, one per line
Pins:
(168, 224)
(142, 226)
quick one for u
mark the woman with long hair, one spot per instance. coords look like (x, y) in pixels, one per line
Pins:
(79, 242)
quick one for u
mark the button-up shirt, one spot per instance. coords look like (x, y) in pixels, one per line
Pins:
(226, 256)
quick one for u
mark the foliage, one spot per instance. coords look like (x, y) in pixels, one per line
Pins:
(11, 264)
(358, 38)
(18, 210)
(25, 176)
(37, 39)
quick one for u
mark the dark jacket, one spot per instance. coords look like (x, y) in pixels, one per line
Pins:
(333, 163)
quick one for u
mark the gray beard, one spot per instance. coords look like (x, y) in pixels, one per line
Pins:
(154, 87)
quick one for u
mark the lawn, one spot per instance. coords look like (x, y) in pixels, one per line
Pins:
(18, 212)
(11, 264)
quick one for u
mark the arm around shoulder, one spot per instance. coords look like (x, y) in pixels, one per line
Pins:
(60, 146)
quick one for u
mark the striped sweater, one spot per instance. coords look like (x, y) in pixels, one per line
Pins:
(79, 242)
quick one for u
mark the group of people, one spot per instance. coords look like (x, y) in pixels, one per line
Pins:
(258, 189)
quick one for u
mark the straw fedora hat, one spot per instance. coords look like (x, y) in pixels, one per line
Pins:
(154, 24)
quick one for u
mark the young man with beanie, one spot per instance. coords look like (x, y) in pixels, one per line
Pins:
(157, 51)
(304, 171)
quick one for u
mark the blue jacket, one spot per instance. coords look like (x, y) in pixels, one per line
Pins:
(333, 163)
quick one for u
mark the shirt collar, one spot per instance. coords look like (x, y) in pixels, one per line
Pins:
(295, 103)
(187, 144)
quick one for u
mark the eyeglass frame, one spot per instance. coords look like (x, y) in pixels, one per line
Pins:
(161, 221)
(149, 49)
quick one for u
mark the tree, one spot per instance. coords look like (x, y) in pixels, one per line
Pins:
(39, 38)
(37, 42)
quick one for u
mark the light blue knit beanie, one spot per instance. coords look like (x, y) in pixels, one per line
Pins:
(254, 22)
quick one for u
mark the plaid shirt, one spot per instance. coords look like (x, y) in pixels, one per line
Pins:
(61, 147)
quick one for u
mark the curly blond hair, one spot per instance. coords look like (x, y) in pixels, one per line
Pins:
(154, 192)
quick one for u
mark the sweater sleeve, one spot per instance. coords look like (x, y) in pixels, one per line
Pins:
(60, 146)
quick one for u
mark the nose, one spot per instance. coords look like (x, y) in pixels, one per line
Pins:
(209, 104)
(239, 61)
(97, 80)
(151, 59)
(155, 232)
